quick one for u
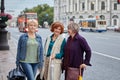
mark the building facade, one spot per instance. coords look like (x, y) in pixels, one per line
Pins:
(108, 10)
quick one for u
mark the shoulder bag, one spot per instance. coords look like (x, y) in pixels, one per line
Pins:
(16, 74)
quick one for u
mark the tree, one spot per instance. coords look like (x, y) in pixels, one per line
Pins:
(44, 11)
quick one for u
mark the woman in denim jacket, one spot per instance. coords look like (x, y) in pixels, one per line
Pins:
(30, 50)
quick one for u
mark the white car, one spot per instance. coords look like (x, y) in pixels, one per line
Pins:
(117, 29)
(112, 27)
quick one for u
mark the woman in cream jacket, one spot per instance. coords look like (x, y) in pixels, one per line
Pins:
(53, 51)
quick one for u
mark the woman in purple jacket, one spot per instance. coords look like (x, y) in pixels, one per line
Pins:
(75, 47)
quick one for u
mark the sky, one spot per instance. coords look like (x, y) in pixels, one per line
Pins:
(14, 7)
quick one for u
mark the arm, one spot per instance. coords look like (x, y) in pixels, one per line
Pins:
(87, 50)
(18, 51)
(41, 54)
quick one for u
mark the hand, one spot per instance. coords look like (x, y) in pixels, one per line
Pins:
(52, 57)
(83, 66)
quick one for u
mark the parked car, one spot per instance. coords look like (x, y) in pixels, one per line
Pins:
(117, 29)
(112, 27)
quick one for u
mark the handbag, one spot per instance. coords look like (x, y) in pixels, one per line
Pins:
(80, 74)
(80, 77)
(73, 73)
(38, 77)
(16, 74)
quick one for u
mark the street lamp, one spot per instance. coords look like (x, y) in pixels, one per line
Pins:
(3, 33)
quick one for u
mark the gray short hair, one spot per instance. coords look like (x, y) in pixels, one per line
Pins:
(74, 27)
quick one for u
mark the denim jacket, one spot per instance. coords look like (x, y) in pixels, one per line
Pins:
(22, 46)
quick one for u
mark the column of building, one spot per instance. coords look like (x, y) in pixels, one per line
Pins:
(86, 5)
(67, 6)
(78, 5)
(58, 9)
(108, 5)
(71, 5)
(96, 5)
(96, 8)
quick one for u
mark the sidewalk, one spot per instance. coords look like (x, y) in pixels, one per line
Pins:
(7, 60)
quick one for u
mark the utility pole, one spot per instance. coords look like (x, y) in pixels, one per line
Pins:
(2, 6)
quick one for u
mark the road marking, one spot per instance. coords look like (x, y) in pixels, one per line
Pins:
(116, 58)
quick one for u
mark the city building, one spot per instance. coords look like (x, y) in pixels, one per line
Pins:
(87, 10)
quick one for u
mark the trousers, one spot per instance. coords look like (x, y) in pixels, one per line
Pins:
(30, 70)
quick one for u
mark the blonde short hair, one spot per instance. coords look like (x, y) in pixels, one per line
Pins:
(32, 21)
(74, 27)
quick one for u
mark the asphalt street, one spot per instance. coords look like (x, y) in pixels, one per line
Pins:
(105, 53)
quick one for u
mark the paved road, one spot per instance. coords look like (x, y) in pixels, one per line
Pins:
(105, 53)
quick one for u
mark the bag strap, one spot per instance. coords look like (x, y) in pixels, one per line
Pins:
(80, 72)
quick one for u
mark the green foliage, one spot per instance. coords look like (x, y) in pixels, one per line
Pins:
(44, 11)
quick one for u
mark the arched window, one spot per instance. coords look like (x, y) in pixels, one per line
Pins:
(102, 17)
(81, 17)
(115, 22)
(73, 17)
(90, 16)
(102, 5)
(115, 16)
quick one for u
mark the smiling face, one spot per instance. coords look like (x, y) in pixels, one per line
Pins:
(57, 28)
(70, 32)
(57, 31)
(32, 26)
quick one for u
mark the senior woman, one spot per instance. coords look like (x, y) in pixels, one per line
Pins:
(30, 50)
(54, 50)
(74, 52)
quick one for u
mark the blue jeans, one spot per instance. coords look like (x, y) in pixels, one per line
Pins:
(30, 70)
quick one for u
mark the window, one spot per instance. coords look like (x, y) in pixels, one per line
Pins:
(102, 5)
(115, 6)
(83, 6)
(90, 16)
(81, 17)
(115, 22)
(115, 16)
(73, 17)
(75, 6)
(102, 22)
(92, 5)
(102, 17)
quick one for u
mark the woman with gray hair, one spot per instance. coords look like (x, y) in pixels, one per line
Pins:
(74, 53)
